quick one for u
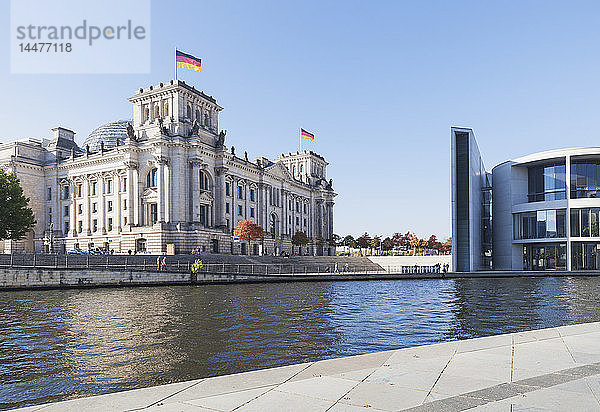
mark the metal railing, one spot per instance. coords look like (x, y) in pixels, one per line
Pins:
(175, 264)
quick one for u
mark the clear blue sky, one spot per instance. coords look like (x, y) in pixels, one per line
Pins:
(379, 83)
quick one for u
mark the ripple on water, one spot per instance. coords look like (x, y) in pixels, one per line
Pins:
(60, 344)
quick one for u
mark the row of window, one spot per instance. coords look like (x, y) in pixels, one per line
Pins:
(584, 222)
(545, 257)
(539, 224)
(109, 225)
(549, 182)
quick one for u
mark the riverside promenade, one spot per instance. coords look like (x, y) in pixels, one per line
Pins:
(549, 369)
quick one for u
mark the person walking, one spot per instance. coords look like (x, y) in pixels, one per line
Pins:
(336, 268)
(158, 263)
(164, 263)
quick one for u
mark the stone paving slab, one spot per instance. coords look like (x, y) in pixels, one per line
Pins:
(541, 370)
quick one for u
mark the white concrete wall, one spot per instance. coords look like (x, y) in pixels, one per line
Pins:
(398, 261)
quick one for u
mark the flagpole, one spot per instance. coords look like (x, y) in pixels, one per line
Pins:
(175, 63)
(300, 135)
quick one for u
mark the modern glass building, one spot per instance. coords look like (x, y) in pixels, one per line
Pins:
(544, 212)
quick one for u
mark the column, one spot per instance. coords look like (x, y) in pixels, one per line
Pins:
(73, 209)
(101, 210)
(86, 206)
(118, 188)
(195, 182)
(160, 190)
(167, 197)
(135, 197)
(568, 212)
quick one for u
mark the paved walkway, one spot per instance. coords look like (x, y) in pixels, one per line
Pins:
(550, 369)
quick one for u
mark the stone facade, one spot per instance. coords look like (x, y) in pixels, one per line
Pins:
(167, 182)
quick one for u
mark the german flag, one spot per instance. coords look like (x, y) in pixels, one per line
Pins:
(307, 135)
(187, 61)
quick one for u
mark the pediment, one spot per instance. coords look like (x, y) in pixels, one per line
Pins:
(279, 170)
(149, 192)
(205, 197)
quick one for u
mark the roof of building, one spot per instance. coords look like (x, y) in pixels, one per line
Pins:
(112, 134)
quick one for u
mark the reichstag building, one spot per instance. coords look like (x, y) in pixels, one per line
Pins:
(167, 182)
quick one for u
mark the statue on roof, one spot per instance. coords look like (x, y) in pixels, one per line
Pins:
(194, 129)
(163, 128)
(131, 132)
(221, 138)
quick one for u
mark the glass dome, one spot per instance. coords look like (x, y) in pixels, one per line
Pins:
(109, 133)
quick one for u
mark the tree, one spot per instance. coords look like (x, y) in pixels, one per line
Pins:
(375, 242)
(299, 239)
(335, 240)
(248, 230)
(16, 218)
(387, 244)
(364, 241)
(399, 239)
(447, 246)
(349, 241)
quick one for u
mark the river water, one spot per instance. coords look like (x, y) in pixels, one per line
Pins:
(62, 344)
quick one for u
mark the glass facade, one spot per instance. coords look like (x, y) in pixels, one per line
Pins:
(584, 222)
(585, 179)
(549, 256)
(540, 224)
(546, 183)
(585, 256)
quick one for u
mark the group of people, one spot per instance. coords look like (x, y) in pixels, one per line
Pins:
(161, 263)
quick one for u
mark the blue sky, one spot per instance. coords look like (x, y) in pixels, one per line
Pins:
(379, 83)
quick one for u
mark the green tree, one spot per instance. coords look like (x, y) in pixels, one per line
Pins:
(299, 239)
(16, 218)
(335, 240)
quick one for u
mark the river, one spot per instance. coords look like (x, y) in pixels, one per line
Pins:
(62, 344)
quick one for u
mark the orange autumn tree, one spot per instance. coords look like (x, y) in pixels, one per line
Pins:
(248, 230)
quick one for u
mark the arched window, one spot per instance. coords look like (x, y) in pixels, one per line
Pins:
(206, 119)
(301, 168)
(146, 114)
(198, 118)
(151, 178)
(294, 168)
(204, 181)
(189, 111)
(156, 111)
(166, 109)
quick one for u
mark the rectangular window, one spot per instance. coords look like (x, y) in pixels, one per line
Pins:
(305, 208)
(153, 213)
(79, 190)
(50, 214)
(304, 222)
(240, 211)
(124, 188)
(575, 228)
(227, 189)
(79, 226)
(297, 207)
(109, 186)
(49, 194)
(227, 222)
(94, 207)
(125, 220)
(110, 224)
(252, 195)
(203, 215)
(297, 221)
(551, 223)
(227, 207)
(585, 222)
(251, 212)
(110, 206)
(125, 204)
(561, 223)
(594, 222)
(94, 188)
(79, 209)
(65, 211)
(95, 225)
(240, 192)
(65, 192)
(541, 224)
(66, 227)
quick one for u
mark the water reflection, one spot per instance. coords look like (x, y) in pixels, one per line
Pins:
(62, 344)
